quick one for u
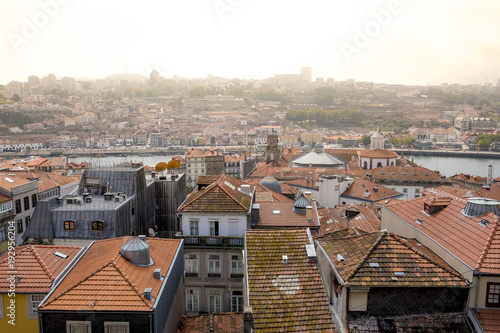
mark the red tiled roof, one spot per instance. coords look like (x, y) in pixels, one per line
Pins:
(404, 173)
(102, 280)
(489, 319)
(334, 219)
(377, 153)
(363, 189)
(269, 216)
(460, 234)
(373, 259)
(285, 296)
(221, 196)
(231, 322)
(37, 265)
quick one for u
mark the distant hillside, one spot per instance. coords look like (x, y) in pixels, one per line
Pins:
(126, 76)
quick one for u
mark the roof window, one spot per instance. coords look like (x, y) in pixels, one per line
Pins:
(419, 221)
(484, 222)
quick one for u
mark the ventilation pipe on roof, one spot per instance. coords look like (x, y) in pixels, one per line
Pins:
(157, 274)
(148, 293)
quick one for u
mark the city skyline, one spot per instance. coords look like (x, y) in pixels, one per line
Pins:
(396, 42)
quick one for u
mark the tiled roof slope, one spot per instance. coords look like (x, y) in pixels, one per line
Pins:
(231, 322)
(405, 172)
(462, 235)
(105, 281)
(489, 319)
(366, 190)
(288, 296)
(287, 217)
(377, 153)
(221, 196)
(334, 219)
(392, 254)
(37, 265)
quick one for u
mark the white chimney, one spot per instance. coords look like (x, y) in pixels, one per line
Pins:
(245, 189)
(157, 274)
(309, 215)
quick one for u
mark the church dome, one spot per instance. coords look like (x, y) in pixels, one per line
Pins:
(305, 149)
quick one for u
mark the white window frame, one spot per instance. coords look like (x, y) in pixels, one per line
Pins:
(109, 324)
(194, 225)
(80, 323)
(191, 263)
(33, 301)
(214, 264)
(213, 224)
(214, 300)
(194, 294)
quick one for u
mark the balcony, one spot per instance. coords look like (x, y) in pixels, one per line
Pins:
(228, 242)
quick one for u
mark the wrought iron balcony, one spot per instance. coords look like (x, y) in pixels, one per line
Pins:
(230, 242)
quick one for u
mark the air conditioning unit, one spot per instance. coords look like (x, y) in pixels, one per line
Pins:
(78, 201)
(70, 200)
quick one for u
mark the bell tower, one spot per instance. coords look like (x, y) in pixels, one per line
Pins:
(272, 149)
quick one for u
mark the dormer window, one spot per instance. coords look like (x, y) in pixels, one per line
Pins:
(97, 225)
(69, 225)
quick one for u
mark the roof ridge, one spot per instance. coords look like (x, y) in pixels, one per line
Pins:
(488, 244)
(40, 261)
(78, 283)
(370, 251)
(425, 256)
(132, 284)
(200, 194)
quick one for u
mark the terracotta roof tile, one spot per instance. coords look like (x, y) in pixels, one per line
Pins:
(334, 219)
(377, 153)
(450, 228)
(37, 265)
(222, 196)
(281, 214)
(363, 189)
(103, 280)
(489, 319)
(384, 259)
(285, 296)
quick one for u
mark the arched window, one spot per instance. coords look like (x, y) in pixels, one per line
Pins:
(379, 164)
(97, 225)
(69, 225)
(365, 165)
(392, 163)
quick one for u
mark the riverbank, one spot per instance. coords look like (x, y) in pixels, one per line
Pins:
(448, 153)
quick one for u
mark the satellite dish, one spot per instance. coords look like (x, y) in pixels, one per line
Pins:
(152, 233)
(161, 166)
(173, 164)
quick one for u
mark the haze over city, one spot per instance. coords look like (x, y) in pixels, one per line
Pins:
(405, 42)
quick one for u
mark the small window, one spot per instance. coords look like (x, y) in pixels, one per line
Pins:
(78, 326)
(116, 327)
(132, 211)
(27, 220)
(237, 301)
(34, 302)
(192, 300)
(191, 265)
(20, 226)
(33, 200)
(18, 206)
(493, 294)
(2, 235)
(26, 203)
(97, 225)
(69, 225)
(405, 190)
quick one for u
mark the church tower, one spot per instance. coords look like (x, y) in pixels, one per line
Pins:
(272, 149)
(377, 140)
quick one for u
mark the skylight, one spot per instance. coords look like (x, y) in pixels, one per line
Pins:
(419, 221)
(374, 264)
(399, 273)
(276, 211)
(62, 255)
(8, 179)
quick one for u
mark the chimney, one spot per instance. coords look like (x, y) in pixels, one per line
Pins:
(245, 189)
(309, 214)
(375, 189)
(157, 274)
(490, 175)
(308, 195)
(247, 319)
(285, 258)
(148, 293)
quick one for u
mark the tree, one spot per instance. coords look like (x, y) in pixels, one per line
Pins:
(16, 98)
(366, 140)
(198, 91)
(408, 141)
(484, 144)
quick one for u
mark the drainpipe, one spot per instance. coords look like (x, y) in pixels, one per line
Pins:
(477, 288)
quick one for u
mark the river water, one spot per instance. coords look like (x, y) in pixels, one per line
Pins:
(447, 166)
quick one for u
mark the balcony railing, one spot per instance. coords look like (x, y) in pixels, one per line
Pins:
(212, 241)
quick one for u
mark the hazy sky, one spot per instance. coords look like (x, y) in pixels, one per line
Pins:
(393, 41)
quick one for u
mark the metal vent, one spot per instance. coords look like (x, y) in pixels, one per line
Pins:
(137, 252)
(478, 206)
